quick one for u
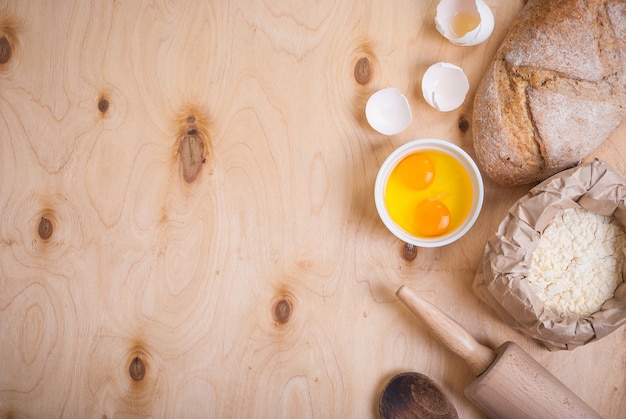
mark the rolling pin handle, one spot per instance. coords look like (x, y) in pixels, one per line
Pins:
(448, 331)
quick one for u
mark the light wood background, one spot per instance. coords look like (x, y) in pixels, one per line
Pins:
(138, 280)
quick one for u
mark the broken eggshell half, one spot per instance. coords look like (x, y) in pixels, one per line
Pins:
(445, 86)
(464, 22)
(388, 111)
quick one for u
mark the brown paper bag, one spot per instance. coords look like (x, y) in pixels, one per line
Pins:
(501, 277)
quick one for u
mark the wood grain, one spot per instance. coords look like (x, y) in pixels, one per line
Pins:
(137, 279)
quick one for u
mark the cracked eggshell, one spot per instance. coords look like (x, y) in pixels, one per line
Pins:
(388, 111)
(464, 22)
(445, 86)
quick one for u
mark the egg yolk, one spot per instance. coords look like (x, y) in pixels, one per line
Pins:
(428, 194)
(432, 217)
(417, 171)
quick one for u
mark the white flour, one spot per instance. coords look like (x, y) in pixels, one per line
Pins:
(578, 263)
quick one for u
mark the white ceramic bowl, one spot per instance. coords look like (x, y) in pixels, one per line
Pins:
(422, 145)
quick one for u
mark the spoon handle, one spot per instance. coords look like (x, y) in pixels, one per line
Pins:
(448, 331)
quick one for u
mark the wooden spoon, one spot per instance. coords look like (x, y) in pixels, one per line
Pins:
(414, 395)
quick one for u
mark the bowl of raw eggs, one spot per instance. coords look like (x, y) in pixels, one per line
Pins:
(429, 192)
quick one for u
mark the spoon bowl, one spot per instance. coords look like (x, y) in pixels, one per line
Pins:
(414, 395)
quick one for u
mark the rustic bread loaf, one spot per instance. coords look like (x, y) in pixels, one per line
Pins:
(555, 90)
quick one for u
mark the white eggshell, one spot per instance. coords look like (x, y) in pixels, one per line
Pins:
(388, 111)
(449, 10)
(444, 86)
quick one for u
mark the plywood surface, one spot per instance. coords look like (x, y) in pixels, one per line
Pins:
(187, 223)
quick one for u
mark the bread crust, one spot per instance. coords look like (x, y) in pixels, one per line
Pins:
(554, 91)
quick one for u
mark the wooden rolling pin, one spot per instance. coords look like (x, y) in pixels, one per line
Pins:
(509, 383)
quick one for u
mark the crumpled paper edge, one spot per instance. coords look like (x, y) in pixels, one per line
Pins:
(500, 280)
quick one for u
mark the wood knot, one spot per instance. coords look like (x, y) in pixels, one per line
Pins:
(283, 309)
(137, 369)
(192, 149)
(45, 228)
(409, 252)
(363, 71)
(463, 124)
(103, 105)
(5, 50)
